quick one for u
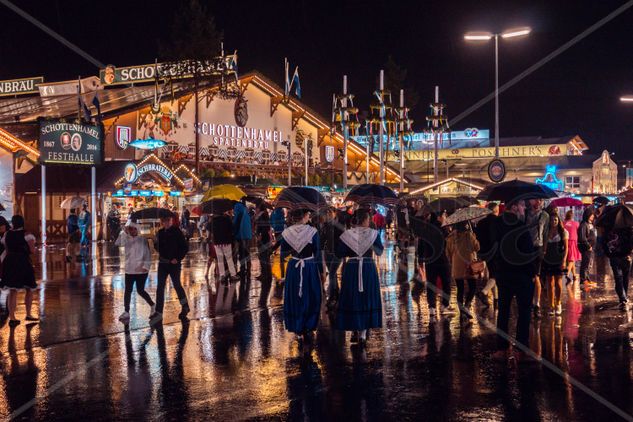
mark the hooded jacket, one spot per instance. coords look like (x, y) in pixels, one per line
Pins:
(586, 231)
(138, 258)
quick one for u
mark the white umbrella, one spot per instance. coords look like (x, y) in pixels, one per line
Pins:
(466, 214)
(74, 202)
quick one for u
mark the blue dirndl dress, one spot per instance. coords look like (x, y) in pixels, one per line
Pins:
(360, 304)
(302, 289)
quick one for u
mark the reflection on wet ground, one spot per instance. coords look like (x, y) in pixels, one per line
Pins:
(234, 360)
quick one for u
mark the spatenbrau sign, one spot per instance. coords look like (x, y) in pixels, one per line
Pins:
(70, 143)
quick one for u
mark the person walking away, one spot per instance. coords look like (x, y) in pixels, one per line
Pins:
(138, 260)
(538, 222)
(360, 306)
(172, 247)
(618, 246)
(330, 235)
(114, 223)
(515, 264)
(278, 224)
(554, 263)
(85, 223)
(600, 257)
(264, 242)
(484, 233)
(74, 236)
(4, 228)
(243, 234)
(462, 247)
(573, 254)
(432, 253)
(222, 236)
(302, 289)
(17, 269)
(212, 255)
(586, 245)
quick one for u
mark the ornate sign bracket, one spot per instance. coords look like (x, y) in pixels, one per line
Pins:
(321, 134)
(274, 103)
(296, 116)
(182, 103)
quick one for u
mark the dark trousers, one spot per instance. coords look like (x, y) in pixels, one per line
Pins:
(173, 271)
(522, 287)
(459, 282)
(621, 268)
(585, 262)
(433, 274)
(265, 266)
(333, 263)
(139, 280)
(244, 256)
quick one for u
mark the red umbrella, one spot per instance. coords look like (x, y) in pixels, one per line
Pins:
(566, 202)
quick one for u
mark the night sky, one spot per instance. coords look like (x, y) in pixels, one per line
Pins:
(576, 93)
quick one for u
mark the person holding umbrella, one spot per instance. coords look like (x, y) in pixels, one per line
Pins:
(484, 232)
(85, 223)
(462, 247)
(302, 289)
(359, 307)
(243, 233)
(586, 244)
(617, 224)
(554, 264)
(222, 239)
(74, 236)
(537, 220)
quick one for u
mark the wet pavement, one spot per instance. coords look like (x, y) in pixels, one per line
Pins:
(234, 361)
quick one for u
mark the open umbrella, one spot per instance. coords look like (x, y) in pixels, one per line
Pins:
(514, 190)
(616, 217)
(215, 206)
(300, 197)
(372, 194)
(151, 213)
(601, 200)
(224, 191)
(468, 199)
(74, 202)
(450, 205)
(466, 214)
(566, 202)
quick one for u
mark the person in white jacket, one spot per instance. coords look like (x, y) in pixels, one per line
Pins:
(138, 260)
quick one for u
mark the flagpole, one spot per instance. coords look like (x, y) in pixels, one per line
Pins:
(344, 126)
(79, 98)
(401, 127)
(381, 129)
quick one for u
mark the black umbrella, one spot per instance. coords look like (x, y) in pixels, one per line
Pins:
(601, 200)
(450, 205)
(515, 190)
(300, 197)
(151, 213)
(468, 200)
(616, 217)
(215, 206)
(372, 194)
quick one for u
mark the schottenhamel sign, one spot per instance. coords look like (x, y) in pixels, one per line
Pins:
(70, 143)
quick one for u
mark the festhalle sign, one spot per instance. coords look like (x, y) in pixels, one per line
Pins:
(70, 143)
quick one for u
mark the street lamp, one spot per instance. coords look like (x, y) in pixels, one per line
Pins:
(627, 99)
(487, 36)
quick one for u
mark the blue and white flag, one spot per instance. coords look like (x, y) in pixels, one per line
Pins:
(289, 83)
(296, 83)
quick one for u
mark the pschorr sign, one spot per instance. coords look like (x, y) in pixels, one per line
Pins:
(70, 143)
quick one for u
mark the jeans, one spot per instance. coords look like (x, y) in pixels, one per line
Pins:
(621, 269)
(173, 271)
(433, 273)
(460, 291)
(130, 280)
(520, 286)
(585, 263)
(333, 263)
(222, 252)
(244, 256)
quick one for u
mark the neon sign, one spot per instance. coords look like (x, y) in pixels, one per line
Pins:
(549, 179)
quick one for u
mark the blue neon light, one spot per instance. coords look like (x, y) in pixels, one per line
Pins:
(149, 143)
(550, 180)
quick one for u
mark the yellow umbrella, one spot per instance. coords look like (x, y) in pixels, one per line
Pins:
(224, 191)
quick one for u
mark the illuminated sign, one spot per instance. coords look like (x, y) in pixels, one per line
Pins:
(329, 153)
(550, 180)
(20, 86)
(237, 136)
(130, 173)
(70, 143)
(123, 136)
(550, 150)
(159, 169)
(497, 171)
(149, 143)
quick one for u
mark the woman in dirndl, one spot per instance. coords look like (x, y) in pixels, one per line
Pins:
(302, 289)
(360, 306)
(17, 270)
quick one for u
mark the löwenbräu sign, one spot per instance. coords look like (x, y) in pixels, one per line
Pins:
(70, 143)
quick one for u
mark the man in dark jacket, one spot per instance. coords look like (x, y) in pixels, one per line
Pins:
(172, 247)
(432, 252)
(618, 246)
(515, 269)
(331, 232)
(586, 243)
(484, 232)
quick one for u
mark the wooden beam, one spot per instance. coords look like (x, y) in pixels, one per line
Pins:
(274, 103)
(296, 115)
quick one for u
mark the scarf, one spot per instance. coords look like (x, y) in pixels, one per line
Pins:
(359, 239)
(298, 236)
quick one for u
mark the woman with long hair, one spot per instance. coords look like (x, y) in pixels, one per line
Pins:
(554, 262)
(359, 307)
(302, 289)
(462, 247)
(17, 269)
(574, 253)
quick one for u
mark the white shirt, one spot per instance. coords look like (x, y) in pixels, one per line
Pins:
(138, 258)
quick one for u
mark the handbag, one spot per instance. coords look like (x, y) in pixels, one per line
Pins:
(476, 268)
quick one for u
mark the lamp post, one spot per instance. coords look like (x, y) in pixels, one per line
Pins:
(287, 145)
(487, 36)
